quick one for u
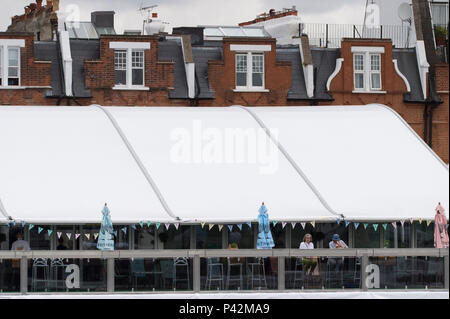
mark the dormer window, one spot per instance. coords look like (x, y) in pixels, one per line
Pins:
(129, 65)
(367, 69)
(10, 62)
(250, 67)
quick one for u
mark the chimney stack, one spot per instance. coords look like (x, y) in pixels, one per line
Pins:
(154, 15)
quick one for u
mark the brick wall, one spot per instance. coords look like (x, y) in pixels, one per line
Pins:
(158, 75)
(222, 76)
(441, 114)
(32, 74)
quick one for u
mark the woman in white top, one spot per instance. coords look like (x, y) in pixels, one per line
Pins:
(309, 263)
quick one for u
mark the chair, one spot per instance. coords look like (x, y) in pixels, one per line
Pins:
(299, 273)
(167, 267)
(256, 273)
(357, 272)
(181, 262)
(138, 271)
(234, 263)
(57, 267)
(214, 272)
(340, 275)
(40, 266)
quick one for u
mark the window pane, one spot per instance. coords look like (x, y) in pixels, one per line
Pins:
(137, 59)
(376, 80)
(241, 79)
(89, 237)
(120, 60)
(13, 57)
(359, 62)
(367, 238)
(257, 79)
(208, 239)
(175, 238)
(359, 81)
(279, 235)
(425, 235)
(144, 238)
(257, 63)
(13, 81)
(14, 71)
(375, 62)
(243, 238)
(40, 241)
(329, 229)
(241, 63)
(397, 237)
(298, 233)
(121, 77)
(138, 77)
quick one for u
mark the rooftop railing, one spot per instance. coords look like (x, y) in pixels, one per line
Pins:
(223, 269)
(330, 35)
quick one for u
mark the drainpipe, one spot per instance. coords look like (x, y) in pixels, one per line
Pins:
(425, 121)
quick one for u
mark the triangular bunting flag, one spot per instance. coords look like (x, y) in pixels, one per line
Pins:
(428, 222)
(78, 235)
(394, 224)
(124, 229)
(220, 227)
(95, 235)
(230, 227)
(88, 236)
(402, 222)
(411, 220)
(375, 226)
(338, 220)
(211, 226)
(249, 224)
(176, 225)
(356, 225)
(203, 225)
(114, 232)
(420, 220)
(385, 226)
(157, 225)
(293, 225)
(141, 223)
(133, 226)
(49, 232)
(347, 223)
(167, 226)
(313, 224)
(40, 229)
(148, 223)
(239, 226)
(365, 226)
(69, 235)
(59, 234)
(23, 223)
(274, 223)
(283, 224)
(303, 225)
(30, 226)
(14, 223)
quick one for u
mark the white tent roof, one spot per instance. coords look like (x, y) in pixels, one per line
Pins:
(60, 164)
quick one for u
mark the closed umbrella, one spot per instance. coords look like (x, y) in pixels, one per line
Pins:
(265, 240)
(440, 228)
(105, 238)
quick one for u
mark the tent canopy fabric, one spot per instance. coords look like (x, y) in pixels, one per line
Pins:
(215, 165)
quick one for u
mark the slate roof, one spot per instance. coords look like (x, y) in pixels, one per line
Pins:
(407, 64)
(47, 51)
(172, 51)
(202, 55)
(298, 86)
(324, 61)
(82, 50)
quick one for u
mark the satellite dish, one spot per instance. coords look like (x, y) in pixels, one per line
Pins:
(404, 12)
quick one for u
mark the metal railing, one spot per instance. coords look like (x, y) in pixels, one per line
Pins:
(282, 256)
(330, 35)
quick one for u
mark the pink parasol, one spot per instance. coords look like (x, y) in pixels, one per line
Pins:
(440, 228)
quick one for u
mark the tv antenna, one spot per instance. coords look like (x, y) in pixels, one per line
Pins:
(146, 10)
(404, 12)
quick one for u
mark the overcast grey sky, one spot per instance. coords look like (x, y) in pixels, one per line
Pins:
(203, 12)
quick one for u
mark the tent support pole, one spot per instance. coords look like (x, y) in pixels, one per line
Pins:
(23, 275)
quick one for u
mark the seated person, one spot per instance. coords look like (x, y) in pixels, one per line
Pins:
(336, 243)
(309, 263)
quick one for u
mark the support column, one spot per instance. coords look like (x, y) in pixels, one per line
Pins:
(110, 275)
(196, 274)
(281, 273)
(446, 274)
(23, 275)
(364, 264)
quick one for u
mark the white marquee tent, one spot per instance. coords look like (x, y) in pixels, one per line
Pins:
(215, 165)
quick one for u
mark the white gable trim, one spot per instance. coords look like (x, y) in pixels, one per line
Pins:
(250, 47)
(336, 71)
(408, 87)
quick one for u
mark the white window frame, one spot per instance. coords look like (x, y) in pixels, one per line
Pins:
(18, 67)
(130, 47)
(367, 53)
(250, 87)
(138, 68)
(5, 46)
